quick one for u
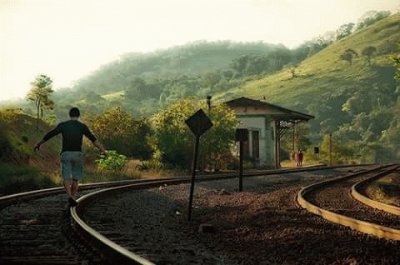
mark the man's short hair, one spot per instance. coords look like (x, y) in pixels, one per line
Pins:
(74, 112)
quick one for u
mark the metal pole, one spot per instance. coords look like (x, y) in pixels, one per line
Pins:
(196, 147)
(240, 165)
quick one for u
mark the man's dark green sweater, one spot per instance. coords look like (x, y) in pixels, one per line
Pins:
(72, 133)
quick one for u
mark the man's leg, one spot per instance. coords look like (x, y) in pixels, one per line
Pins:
(74, 188)
(68, 187)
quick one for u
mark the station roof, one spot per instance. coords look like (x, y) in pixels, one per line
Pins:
(277, 112)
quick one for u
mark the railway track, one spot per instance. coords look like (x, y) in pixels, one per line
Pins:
(333, 200)
(358, 191)
(35, 228)
(43, 235)
(104, 233)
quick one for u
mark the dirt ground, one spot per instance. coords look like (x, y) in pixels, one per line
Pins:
(261, 225)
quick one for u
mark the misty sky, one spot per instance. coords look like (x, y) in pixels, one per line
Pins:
(67, 39)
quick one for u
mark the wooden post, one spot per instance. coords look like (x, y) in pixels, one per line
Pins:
(240, 165)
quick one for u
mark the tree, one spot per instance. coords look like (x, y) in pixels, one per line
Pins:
(368, 52)
(344, 31)
(40, 95)
(119, 131)
(348, 55)
(174, 140)
(371, 17)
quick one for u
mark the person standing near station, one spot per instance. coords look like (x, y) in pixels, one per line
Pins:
(300, 158)
(71, 158)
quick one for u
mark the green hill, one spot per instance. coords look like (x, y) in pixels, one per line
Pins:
(357, 102)
(20, 167)
(144, 83)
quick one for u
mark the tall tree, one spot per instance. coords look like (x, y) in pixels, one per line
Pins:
(368, 52)
(40, 92)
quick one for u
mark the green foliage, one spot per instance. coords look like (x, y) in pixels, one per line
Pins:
(118, 130)
(174, 141)
(368, 52)
(145, 83)
(337, 151)
(370, 18)
(344, 31)
(348, 55)
(293, 141)
(17, 133)
(172, 137)
(217, 142)
(358, 103)
(40, 94)
(111, 160)
(395, 58)
(20, 178)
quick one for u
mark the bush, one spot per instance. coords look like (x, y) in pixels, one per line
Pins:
(111, 160)
(21, 178)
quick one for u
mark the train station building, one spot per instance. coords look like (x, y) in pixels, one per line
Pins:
(266, 124)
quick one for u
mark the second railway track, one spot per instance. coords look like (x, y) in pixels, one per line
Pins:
(333, 201)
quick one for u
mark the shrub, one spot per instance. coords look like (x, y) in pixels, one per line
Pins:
(111, 160)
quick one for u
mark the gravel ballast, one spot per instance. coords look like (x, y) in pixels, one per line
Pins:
(261, 225)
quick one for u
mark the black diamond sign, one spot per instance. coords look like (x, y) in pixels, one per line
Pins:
(199, 123)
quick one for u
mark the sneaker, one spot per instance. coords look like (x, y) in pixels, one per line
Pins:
(72, 202)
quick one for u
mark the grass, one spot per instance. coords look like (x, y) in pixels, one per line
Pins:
(21, 178)
(385, 190)
(324, 73)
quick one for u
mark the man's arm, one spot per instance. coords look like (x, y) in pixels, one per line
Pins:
(99, 146)
(93, 139)
(37, 146)
(47, 137)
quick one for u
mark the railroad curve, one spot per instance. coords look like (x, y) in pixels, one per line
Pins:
(332, 201)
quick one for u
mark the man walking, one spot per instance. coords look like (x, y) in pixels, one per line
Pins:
(71, 158)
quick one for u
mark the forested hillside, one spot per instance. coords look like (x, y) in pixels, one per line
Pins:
(146, 83)
(355, 97)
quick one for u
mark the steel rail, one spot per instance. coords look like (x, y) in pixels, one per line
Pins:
(23, 196)
(117, 253)
(357, 194)
(110, 249)
(35, 194)
(359, 225)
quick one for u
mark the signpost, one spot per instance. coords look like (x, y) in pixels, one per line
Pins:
(241, 136)
(198, 123)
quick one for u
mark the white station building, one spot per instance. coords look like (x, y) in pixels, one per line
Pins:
(266, 124)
